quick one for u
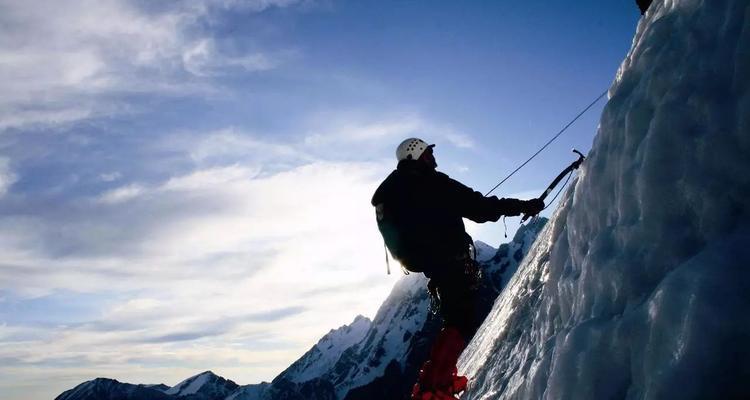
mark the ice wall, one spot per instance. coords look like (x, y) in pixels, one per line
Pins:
(639, 286)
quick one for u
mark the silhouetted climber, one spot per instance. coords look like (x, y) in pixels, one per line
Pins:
(419, 212)
(643, 5)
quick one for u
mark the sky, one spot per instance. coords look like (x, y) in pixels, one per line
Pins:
(185, 185)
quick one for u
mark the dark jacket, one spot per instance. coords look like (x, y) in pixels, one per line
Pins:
(420, 214)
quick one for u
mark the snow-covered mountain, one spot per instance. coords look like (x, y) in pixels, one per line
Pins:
(386, 362)
(322, 357)
(110, 389)
(503, 263)
(638, 288)
(363, 360)
(206, 385)
(484, 251)
(386, 345)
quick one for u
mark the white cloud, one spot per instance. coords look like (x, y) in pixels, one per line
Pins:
(7, 177)
(355, 129)
(110, 176)
(459, 140)
(234, 145)
(360, 131)
(58, 60)
(249, 248)
(204, 59)
(209, 179)
(121, 194)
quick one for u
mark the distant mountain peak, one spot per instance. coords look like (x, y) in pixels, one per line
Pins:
(106, 388)
(484, 251)
(324, 355)
(206, 383)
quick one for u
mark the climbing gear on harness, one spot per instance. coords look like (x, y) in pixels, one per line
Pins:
(434, 297)
(472, 275)
(567, 171)
(411, 149)
(549, 142)
(387, 263)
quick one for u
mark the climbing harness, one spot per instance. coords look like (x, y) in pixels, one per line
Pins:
(472, 274)
(567, 171)
(549, 142)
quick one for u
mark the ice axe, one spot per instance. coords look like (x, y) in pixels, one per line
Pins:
(568, 170)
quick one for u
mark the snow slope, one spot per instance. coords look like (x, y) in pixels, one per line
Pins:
(403, 314)
(321, 358)
(638, 287)
(204, 385)
(502, 265)
(484, 251)
(103, 388)
(190, 385)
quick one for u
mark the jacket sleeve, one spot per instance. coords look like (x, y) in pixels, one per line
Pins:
(478, 208)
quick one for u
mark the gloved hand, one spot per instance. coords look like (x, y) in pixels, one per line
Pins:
(533, 207)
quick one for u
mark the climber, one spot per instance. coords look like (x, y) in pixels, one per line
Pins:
(419, 213)
(643, 5)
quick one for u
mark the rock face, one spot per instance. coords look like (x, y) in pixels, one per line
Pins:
(638, 286)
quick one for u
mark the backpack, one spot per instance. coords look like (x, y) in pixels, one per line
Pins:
(403, 246)
(414, 254)
(404, 218)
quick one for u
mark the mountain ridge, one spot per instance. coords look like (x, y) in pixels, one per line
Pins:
(366, 359)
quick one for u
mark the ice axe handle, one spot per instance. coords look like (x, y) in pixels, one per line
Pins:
(569, 169)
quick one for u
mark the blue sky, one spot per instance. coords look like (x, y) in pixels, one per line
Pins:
(185, 185)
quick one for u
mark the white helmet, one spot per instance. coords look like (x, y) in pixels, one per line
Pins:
(411, 149)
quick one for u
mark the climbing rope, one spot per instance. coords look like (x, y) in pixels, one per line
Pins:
(549, 142)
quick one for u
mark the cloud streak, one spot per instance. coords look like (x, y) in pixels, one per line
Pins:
(7, 177)
(60, 63)
(351, 128)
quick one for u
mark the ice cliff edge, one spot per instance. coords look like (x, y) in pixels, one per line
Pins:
(639, 286)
